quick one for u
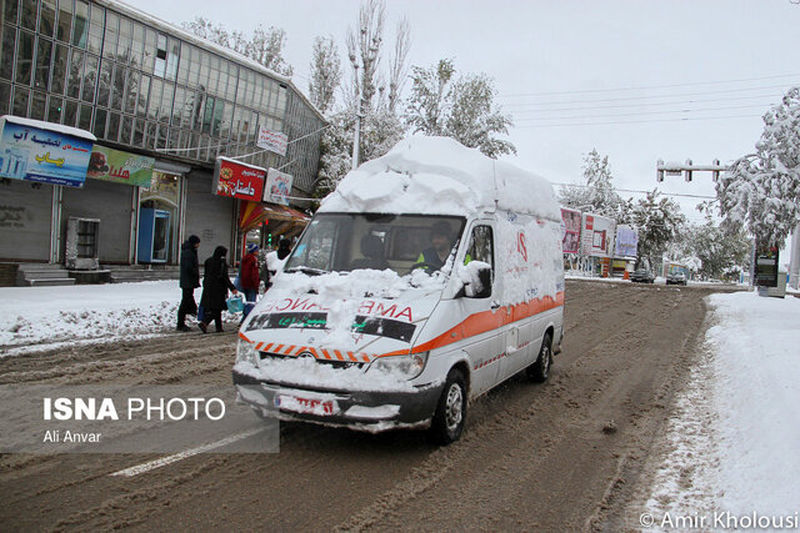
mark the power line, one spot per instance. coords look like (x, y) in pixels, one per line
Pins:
(682, 195)
(647, 87)
(623, 106)
(683, 119)
(641, 113)
(652, 96)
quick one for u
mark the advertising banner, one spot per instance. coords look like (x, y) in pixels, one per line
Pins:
(279, 187)
(274, 141)
(627, 242)
(571, 224)
(108, 164)
(238, 180)
(42, 152)
(596, 234)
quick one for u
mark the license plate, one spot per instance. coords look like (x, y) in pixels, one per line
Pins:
(306, 405)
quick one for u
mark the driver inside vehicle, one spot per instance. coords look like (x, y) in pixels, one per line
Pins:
(434, 257)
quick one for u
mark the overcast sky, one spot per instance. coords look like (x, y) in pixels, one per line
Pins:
(638, 80)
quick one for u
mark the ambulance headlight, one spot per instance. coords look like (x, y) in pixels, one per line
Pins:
(402, 366)
(246, 353)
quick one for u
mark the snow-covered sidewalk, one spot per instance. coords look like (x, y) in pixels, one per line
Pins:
(733, 444)
(31, 317)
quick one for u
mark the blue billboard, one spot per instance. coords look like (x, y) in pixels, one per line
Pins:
(43, 152)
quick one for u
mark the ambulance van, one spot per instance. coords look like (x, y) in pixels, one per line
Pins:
(429, 276)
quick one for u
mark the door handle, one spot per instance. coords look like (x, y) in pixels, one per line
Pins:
(495, 305)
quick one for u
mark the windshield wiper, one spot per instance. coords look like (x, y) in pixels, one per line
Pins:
(307, 270)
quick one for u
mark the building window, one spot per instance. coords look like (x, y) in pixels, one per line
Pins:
(28, 19)
(7, 51)
(25, 58)
(21, 101)
(5, 96)
(54, 109)
(80, 25)
(10, 11)
(43, 58)
(38, 105)
(47, 17)
(161, 56)
(64, 21)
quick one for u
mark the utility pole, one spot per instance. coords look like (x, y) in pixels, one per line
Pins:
(357, 133)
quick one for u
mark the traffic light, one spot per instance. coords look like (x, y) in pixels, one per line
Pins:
(687, 172)
(659, 171)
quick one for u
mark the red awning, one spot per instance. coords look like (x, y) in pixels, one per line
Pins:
(252, 214)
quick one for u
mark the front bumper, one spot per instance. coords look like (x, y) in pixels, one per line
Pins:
(367, 410)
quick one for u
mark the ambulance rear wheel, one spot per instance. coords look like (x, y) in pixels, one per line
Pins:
(540, 370)
(451, 411)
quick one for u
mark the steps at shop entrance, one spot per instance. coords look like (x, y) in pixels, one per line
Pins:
(136, 273)
(42, 274)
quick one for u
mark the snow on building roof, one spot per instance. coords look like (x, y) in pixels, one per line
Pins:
(49, 126)
(437, 175)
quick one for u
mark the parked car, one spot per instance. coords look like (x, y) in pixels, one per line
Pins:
(676, 278)
(643, 275)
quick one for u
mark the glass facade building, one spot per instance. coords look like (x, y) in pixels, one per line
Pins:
(148, 88)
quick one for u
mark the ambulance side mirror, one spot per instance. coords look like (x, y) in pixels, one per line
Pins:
(477, 280)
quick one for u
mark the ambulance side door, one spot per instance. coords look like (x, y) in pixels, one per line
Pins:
(483, 341)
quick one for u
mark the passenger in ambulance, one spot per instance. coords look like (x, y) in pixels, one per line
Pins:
(373, 252)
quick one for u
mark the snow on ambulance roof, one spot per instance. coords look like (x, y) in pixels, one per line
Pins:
(437, 175)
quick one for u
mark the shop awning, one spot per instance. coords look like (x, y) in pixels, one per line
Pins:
(253, 214)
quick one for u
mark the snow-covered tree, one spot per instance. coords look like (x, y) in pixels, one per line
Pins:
(398, 72)
(380, 127)
(326, 73)
(597, 194)
(657, 222)
(718, 250)
(265, 45)
(427, 107)
(762, 190)
(462, 108)
(380, 131)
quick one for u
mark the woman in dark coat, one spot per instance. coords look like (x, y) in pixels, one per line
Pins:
(216, 285)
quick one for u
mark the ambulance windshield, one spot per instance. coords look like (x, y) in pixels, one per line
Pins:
(342, 242)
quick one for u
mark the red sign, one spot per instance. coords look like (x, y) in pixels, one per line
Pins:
(238, 180)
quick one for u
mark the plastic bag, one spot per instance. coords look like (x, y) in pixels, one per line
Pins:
(235, 304)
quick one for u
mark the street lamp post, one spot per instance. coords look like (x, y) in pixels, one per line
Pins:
(357, 133)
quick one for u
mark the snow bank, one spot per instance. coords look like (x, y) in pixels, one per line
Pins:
(437, 175)
(757, 391)
(33, 316)
(733, 440)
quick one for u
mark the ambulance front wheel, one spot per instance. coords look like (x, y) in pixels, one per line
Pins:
(540, 370)
(451, 411)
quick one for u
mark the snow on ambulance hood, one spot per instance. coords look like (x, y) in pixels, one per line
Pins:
(437, 175)
(365, 311)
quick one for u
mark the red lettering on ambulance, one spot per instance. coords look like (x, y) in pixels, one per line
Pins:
(405, 313)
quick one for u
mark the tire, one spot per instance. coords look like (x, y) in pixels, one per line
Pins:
(451, 410)
(540, 370)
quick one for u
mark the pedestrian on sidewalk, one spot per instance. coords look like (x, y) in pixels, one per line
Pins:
(216, 285)
(249, 278)
(189, 280)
